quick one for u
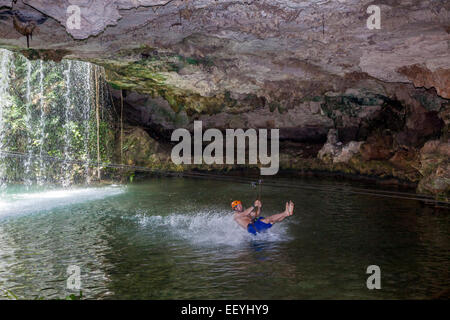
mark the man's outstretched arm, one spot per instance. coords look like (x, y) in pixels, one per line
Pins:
(247, 212)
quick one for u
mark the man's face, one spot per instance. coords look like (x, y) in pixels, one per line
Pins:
(238, 208)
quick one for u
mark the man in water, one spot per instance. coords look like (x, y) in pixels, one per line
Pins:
(250, 219)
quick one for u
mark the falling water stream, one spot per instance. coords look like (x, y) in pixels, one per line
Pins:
(4, 103)
(48, 113)
(41, 124)
(29, 126)
(68, 117)
(87, 102)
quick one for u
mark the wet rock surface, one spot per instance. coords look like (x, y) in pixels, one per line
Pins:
(272, 49)
(435, 167)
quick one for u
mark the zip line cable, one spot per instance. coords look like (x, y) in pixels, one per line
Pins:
(315, 186)
(369, 192)
(344, 189)
(243, 180)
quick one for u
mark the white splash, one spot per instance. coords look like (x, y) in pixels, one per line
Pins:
(209, 228)
(25, 203)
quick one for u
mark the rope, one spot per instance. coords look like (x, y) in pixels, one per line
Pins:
(326, 188)
(347, 190)
(244, 180)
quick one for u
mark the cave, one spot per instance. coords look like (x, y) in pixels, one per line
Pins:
(310, 70)
(357, 91)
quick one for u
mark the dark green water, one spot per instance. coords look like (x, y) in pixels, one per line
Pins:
(175, 239)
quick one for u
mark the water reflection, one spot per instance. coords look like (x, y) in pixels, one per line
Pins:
(176, 239)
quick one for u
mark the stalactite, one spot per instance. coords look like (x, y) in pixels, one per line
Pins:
(24, 28)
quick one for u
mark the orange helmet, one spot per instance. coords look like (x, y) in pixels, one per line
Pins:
(235, 203)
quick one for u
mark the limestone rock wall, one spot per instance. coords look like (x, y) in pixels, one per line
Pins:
(306, 67)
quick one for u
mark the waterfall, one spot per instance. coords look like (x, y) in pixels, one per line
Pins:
(67, 136)
(4, 103)
(29, 126)
(47, 128)
(86, 114)
(41, 124)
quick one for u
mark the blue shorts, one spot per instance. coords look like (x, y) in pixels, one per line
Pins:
(258, 226)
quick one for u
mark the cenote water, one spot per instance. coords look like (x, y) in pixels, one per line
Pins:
(174, 238)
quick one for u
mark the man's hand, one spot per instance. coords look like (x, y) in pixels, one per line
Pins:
(258, 204)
